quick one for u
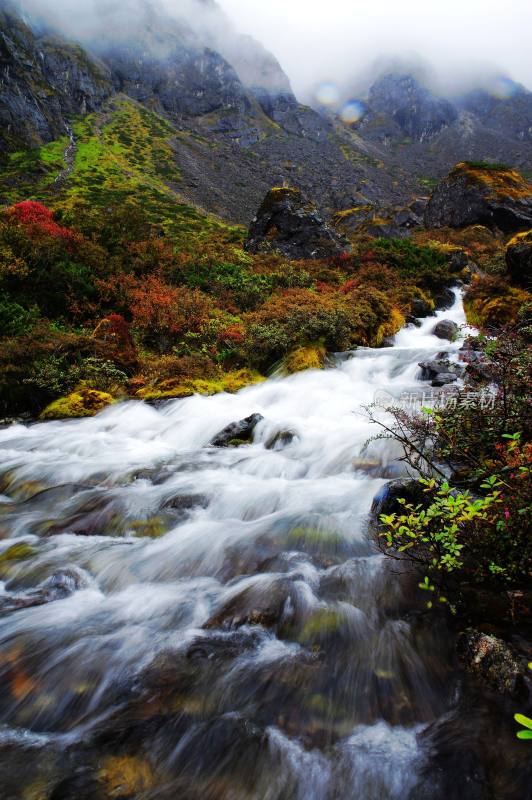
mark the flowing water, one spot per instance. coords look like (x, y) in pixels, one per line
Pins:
(183, 621)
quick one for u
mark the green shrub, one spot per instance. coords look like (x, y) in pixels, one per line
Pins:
(14, 319)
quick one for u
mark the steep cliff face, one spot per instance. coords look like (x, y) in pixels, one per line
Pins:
(43, 80)
(507, 109)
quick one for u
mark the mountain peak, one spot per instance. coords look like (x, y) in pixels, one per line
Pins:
(419, 113)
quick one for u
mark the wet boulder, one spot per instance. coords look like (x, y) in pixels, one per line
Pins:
(59, 586)
(237, 432)
(519, 259)
(386, 501)
(280, 440)
(444, 299)
(492, 661)
(444, 378)
(182, 504)
(440, 371)
(286, 223)
(262, 604)
(420, 308)
(446, 329)
(481, 193)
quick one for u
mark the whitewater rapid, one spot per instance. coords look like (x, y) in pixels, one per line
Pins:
(170, 540)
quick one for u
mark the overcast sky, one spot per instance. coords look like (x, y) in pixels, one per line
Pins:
(323, 40)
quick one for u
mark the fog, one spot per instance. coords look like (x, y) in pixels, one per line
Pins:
(323, 41)
(331, 49)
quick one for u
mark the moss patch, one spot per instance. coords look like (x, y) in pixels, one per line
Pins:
(230, 382)
(305, 357)
(83, 403)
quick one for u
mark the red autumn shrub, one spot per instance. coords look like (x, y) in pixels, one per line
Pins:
(39, 221)
(161, 313)
(29, 212)
(233, 335)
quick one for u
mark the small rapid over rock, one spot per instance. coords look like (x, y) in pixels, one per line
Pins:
(223, 625)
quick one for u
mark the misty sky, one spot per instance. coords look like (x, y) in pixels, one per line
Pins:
(324, 40)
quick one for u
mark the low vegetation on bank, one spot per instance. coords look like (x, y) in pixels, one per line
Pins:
(111, 302)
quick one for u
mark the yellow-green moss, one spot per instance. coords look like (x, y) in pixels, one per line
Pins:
(495, 312)
(521, 238)
(322, 624)
(390, 327)
(314, 539)
(83, 403)
(180, 387)
(126, 776)
(17, 552)
(305, 357)
(496, 178)
(152, 528)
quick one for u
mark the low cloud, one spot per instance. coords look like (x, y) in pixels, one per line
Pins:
(457, 42)
(333, 46)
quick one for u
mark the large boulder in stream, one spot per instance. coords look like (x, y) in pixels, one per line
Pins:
(236, 433)
(481, 194)
(446, 329)
(440, 371)
(287, 223)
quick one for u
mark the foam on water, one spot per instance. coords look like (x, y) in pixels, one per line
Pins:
(288, 523)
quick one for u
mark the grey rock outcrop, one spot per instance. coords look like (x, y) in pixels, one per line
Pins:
(43, 80)
(481, 194)
(519, 260)
(287, 224)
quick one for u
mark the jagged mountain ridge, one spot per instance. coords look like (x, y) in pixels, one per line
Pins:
(248, 135)
(245, 130)
(427, 134)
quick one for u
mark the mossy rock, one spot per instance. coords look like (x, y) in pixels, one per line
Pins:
(177, 388)
(305, 357)
(83, 403)
(126, 776)
(313, 540)
(152, 528)
(519, 259)
(17, 552)
(322, 625)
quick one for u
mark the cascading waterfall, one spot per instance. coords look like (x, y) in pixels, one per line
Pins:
(219, 618)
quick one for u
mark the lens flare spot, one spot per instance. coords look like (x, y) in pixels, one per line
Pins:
(503, 88)
(327, 94)
(352, 111)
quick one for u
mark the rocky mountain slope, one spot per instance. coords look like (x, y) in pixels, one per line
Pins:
(236, 128)
(427, 134)
(244, 129)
